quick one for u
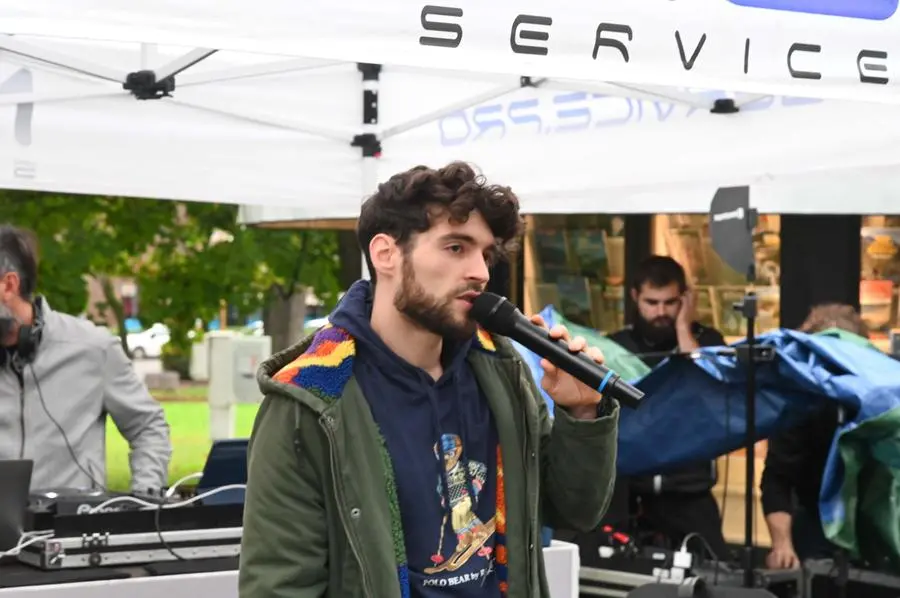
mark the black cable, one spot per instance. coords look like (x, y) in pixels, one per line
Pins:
(158, 526)
(62, 431)
(156, 514)
(727, 351)
(708, 549)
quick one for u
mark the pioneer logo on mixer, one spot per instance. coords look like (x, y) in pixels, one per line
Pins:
(531, 34)
(92, 509)
(86, 509)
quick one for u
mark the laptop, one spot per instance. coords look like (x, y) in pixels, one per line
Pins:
(14, 492)
(225, 465)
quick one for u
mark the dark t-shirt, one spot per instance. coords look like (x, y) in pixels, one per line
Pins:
(629, 339)
(693, 478)
(795, 461)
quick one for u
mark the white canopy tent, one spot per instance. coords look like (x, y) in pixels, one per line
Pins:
(820, 48)
(223, 138)
(287, 135)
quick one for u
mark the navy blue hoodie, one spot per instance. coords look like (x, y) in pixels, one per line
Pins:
(442, 441)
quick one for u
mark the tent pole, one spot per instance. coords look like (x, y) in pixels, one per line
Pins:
(634, 92)
(183, 62)
(222, 107)
(455, 107)
(368, 141)
(17, 46)
(254, 70)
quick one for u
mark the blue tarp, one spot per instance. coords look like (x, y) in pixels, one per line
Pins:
(704, 399)
(695, 409)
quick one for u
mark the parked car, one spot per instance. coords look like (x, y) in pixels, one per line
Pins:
(148, 343)
(254, 328)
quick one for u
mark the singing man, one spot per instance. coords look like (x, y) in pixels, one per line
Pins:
(403, 451)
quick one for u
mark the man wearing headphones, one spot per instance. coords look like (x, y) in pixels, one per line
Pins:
(60, 376)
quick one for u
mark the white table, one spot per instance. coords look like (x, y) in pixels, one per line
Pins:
(561, 558)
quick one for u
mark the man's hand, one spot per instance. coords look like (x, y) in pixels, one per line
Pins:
(687, 312)
(684, 324)
(567, 391)
(782, 556)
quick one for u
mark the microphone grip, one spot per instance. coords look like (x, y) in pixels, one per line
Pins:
(580, 365)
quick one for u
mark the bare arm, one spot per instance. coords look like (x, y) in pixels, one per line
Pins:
(784, 461)
(779, 525)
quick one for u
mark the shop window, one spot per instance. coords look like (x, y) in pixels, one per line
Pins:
(880, 275)
(685, 237)
(576, 263)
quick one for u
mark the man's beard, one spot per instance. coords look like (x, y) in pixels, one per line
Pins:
(432, 313)
(659, 331)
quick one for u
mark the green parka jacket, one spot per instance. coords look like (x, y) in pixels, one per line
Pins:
(321, 517)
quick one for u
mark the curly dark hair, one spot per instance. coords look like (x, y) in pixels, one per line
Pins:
(834, 315)
(409, 202)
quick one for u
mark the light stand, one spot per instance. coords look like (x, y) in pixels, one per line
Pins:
(731, 229)
(751, 355)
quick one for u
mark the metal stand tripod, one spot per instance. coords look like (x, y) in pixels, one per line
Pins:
(751, 354)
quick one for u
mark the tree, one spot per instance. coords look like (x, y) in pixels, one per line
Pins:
(187, 258)
(299, 260)
(62, 264)
(204, 260)
(119, 237)
(212, 259)
(80, 236)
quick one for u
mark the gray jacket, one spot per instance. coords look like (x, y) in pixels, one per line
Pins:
(79, 375)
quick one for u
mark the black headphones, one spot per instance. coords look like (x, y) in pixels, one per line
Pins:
(29, 337)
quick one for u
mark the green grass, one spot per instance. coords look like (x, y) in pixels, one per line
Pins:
(189, 427)
(198, 392)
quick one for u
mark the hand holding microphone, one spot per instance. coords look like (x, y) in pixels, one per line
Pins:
(574, 374)
(580, 399)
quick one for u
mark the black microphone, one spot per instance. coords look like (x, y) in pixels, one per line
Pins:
(497, 315)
